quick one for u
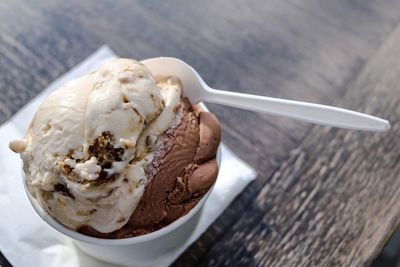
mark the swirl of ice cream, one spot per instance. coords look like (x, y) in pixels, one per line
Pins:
(87, 148)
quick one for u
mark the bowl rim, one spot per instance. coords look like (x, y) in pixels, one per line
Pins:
(122, 241)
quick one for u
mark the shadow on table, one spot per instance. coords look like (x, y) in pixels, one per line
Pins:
(390, 255)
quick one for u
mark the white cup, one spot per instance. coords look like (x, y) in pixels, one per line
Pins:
(145, 250)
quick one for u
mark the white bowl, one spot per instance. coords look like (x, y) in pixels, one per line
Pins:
(145, 250)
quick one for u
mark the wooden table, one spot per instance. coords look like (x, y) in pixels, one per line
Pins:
(323, 197)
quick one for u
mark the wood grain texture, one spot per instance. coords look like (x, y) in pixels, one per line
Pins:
(320, 192)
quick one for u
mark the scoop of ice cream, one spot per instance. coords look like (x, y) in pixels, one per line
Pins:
(87, 148)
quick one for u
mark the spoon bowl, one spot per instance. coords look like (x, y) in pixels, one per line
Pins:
(168, 66)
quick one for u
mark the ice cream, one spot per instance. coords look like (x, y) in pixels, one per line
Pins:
(118, 153)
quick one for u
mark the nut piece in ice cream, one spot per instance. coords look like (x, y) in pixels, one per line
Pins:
(116, 153)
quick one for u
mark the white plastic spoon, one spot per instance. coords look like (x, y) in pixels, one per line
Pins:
(197, 90)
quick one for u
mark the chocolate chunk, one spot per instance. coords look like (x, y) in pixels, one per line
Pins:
(63, 189)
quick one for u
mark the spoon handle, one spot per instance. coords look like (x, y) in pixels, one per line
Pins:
(309, 112)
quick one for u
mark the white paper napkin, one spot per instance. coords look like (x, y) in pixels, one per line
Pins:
(26, 240)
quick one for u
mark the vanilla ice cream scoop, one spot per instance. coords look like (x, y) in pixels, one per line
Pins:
(87, 148)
